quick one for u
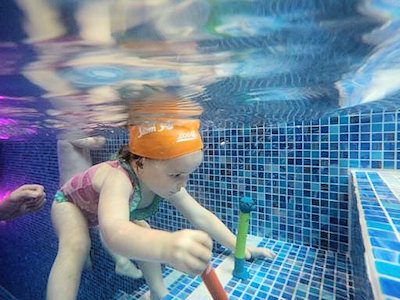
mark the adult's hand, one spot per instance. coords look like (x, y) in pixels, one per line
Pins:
(25, 199)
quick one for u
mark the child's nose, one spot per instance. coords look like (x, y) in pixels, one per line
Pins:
(183, 182)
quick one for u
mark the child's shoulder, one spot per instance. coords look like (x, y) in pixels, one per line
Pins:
(113, 165)
(106, 171)
(105, 165)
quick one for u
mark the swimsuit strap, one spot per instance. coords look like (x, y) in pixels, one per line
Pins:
(134, 212)
(132, 176)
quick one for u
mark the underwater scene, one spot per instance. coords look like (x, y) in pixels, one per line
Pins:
(199, 149)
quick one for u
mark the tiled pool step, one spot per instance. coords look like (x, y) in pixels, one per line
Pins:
(298, 272)
(378, 202)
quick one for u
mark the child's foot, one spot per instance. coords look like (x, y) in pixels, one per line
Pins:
(91, 143)
(159, 294)
(127, 268)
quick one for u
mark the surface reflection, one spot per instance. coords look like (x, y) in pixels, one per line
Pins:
(236, 61)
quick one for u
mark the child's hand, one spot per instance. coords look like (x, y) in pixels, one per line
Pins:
(190, 251)
(255, 252)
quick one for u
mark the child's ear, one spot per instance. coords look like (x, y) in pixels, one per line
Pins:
(143, 161)
(139, 164)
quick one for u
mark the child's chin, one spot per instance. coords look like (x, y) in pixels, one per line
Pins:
(169, 195)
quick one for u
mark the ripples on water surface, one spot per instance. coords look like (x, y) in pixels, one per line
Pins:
(82, 65)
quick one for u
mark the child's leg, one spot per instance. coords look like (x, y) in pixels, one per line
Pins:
(73, 249)
(123, 266)
(152, 274)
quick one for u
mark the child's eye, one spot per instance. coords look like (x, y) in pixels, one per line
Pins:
(175, 175)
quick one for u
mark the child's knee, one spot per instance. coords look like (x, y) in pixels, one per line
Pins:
(78, 246)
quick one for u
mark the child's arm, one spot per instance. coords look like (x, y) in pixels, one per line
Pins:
(210, 223)
(186, 250)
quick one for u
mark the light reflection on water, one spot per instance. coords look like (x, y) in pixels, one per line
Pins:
(226, 61)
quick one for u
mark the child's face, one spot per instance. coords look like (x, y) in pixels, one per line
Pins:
(167, 177)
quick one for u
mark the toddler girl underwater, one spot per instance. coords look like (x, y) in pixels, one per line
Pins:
(117, 196)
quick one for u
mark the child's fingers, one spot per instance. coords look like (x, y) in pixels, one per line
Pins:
(194, 265)
(262, 252)
(202, 253)
(204, 239)
(269, 253)
(247, 254)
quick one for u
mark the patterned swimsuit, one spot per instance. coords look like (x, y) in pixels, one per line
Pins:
(79, 190)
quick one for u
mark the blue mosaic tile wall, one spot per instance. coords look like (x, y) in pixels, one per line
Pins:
(297, 173)
(27, 244)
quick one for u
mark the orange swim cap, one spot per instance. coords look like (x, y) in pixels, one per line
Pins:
(165, 139)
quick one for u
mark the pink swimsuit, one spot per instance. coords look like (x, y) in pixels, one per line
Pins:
(79, 190)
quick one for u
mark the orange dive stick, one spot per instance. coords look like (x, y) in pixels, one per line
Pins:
(213, 284)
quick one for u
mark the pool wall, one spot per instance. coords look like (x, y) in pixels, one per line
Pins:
(297, 172)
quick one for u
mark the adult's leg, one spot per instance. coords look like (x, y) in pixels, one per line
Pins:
(73, 247)
(74, 155)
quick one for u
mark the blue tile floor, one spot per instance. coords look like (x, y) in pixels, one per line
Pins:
(298, 272)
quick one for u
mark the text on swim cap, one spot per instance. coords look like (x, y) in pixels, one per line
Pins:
(144, 130)
(186, 136)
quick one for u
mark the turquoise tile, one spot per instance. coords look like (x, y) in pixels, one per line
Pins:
(376, 155)
(388, 244)
(395, 214)
(382, 234)
(395, 206)
(300, 293)
(379, 225)
(385, 255)
(334, 129)
(388, 269)
(377, 219)
(328, 296)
